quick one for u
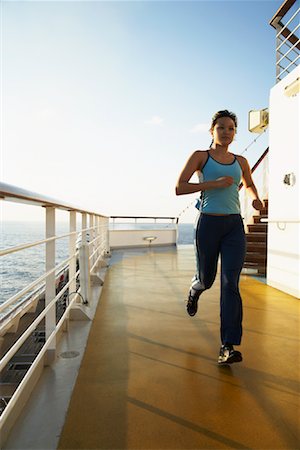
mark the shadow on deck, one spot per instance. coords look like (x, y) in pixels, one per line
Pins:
(149, 378)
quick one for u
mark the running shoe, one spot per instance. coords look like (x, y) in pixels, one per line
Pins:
(228, 355)
(192, 302)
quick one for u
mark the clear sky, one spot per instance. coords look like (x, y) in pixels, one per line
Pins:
(103, 101)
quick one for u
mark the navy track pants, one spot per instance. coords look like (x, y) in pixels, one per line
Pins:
(224, 236)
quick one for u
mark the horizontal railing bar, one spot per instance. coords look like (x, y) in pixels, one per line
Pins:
(283, 52)
(285, 55)
(286, 39)
(33, 284)
(18, 248)
(94, 240)
(285, 70)
(101, 245)
(8, 191)
(29, 299)
(11, 352)
(289, 59)
(17, 307)
(163, 226)
(94, 252)
(36, 361)
(141, 217)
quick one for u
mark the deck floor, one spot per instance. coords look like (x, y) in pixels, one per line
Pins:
(149, 377)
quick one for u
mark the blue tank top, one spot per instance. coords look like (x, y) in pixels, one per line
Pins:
(221, 200)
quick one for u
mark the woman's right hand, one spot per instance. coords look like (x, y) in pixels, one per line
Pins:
(224, 182)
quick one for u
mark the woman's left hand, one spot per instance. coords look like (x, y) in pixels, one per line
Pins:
(257, 204)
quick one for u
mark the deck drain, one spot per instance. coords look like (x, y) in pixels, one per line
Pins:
(69, 354)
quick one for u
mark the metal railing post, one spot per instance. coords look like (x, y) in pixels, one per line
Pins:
(92, 237)
(98, 237)
(278, 41)
(50, 319)
(107, 245)
(72, 250)
(84, 264)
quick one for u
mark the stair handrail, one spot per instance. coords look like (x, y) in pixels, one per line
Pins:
(258, 162)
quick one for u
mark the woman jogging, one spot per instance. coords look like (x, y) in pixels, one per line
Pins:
(219, 229)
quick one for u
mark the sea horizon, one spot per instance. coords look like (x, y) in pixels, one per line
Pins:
(15, 274)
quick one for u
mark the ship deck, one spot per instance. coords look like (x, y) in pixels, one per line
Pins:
(148, 378)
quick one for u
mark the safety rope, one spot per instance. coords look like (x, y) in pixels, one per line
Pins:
(253, 142)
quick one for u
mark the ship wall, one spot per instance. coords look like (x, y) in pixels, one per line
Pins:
(283, 269)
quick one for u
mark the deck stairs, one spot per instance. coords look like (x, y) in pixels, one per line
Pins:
(256, 239)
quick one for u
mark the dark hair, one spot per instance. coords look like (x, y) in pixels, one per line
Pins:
(218, 115)
(224, 113)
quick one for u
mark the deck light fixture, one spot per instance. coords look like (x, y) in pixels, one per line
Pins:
(293, 89)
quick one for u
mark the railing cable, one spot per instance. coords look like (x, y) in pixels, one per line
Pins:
(253, 142)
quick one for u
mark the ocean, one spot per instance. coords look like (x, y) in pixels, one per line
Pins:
(19, 269)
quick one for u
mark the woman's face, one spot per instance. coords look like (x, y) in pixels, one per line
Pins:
(223, 131)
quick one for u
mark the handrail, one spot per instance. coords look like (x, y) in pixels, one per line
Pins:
(10, 192)
(282, 10)
(260, 159)
(288, 22)
(143, 217)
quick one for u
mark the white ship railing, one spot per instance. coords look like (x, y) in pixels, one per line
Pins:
(142, 231)
(287, 38)
(90, 255)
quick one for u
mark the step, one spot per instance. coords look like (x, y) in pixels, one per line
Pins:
(258, 228)
(261, 268)
(256, 237)
(258, 247)
(256, 257)
(264, 211)
(261, 216)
